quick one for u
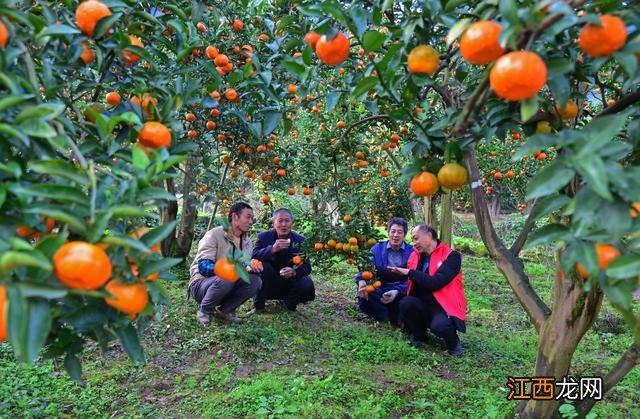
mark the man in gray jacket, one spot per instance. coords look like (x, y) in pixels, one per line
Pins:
(217, 296)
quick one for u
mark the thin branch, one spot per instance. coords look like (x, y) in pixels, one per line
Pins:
(621, 104)
(364, 121)
(524, 233)
(31, 72)
(105, 69)
(393, 158)
(215, 208)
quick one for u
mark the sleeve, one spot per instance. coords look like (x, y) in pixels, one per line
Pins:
(445, 273)
(386, 275)
(261, 250)
(208, 248)
(206, 267)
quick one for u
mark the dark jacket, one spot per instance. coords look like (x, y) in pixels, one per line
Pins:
(262, 252)
(390, 280)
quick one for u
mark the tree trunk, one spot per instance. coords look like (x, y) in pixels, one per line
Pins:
(572, 315)
(189, 211)
(168, 214)
(494, 206)
(429, 211)
(446, 220)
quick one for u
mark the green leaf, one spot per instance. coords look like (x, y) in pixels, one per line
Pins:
(457, 29)
(626, 266)
(29, 325)
(59, 215)
(158, 234)
(158, 266)
(122, 211)
(548, 233)
(139, 158)
(294, 67)
(618, 292)
(549, 180)
(372, 41)
(58, 29)
(13, 100)
(10, 131)
(105, 23)
(59, 168)
(38, 129)
(126, 242)
(153, 194)
(528, 108)
(128, 336)
(364, 86)
(593, 170)
(96, 230)
(307, 53)
(453, 4)
(549, 204)
(360, 17)
(332, 100)
(628, 61)
(270, 122)
(40, 290)
(14, 258)
(55, 192)
(599, 133)
(73, 367)
(509, 11)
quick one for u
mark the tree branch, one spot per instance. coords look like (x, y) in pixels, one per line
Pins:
(621, 104)
(626, 363)
(511, 268)
(215, 208)
(364, 121)
(395, 161)
(524, 234)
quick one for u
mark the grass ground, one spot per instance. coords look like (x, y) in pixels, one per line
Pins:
(325, 360)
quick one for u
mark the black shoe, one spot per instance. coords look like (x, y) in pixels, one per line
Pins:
(416, 343)
(456, 350)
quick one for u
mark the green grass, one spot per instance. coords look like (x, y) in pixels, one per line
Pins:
(325, 360)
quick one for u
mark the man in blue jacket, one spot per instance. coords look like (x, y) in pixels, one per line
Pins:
(382, 304)
(281, 278)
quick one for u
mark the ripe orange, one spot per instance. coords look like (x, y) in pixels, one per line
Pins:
(129, 57)
(212, 52)
(479, 43)
(201, 27)
(518, 75)
(113, 98)
(452, 176)
(423, 59)
(541, 156)
(88, 13)
(424, 184)
(634, 210)
(32, 233)
(281, 172)
(82, 265)
(266, 198)
(341, 124)
(333, 51)
(366, 275)
(312, 38)
(291, 191)
(154, 135)
(331, 243)
(510, 174)
(377, 284)
(263, 37)
(4, 35)
(347, 218)
(569, 111)
(603, 41)
(318, 246)
(307, 191)
(297, 260)
(237, 25)
(226, 270)
(497, 175)
(139, 232)
(370, 289)
(371, 242)
(292, 89)
(147, 100)
(128, 298)
(87, 54)
(3, 314)
(190, 117)
(606, 254)
(231, 94)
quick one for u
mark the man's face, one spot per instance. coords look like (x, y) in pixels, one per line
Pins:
(422, 241)
(282, 224)
(244, 220)
(396, 235)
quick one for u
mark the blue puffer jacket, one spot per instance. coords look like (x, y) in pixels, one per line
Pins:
(390, 280)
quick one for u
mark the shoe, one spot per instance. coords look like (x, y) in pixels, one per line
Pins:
(456, 350)
(203, 318)
(229, 317)
(255, 311)
(416, 343)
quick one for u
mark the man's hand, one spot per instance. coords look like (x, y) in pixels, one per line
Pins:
(362, 290)
(287, 272)
(280, 244)
(255, 266)
(389, 296)
(401, 271)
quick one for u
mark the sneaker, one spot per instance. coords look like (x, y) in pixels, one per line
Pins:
(416, 343)
(203, 318)
(456, 350)
(229, 317)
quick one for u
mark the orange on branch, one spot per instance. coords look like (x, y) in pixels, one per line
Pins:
(602, 41)
(82, 265)
(129, 57)
(311, 38)
(452, 176)
(479, 43)
(423, 59)
(333, 51)
(226, 270)
(88, 13)
(154, 135)
(128, 298)
(4, 35)
(113, 98)
(424, 184)
(606, 254)
(518, 75)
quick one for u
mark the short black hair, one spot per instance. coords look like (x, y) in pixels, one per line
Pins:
(398, 221)
(282, 209)
(237, 208)
(426, 228)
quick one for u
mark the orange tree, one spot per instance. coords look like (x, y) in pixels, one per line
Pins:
(540, 66)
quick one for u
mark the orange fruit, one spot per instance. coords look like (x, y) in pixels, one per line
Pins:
(190, 117)
(297, 260)
(541, 156)
(4, 35)
(377, 284)
(366, 275)
(82, 265)
(569, 111)
(87, 54)
(281, 172)
(139, 232)
(129, 57)
(147, 100)
(221, 60)
(211, 125)
(479, 43)
(347, 218)
(371, 242)
(231, 94)
(307, 191)
(128, 298)
(31, 233)
(331, 244)
(518, 75)
(452, 176)
(192, 133)
(291, 191)
(3, 313)
(601, 41)
(497, 175)
(154, 135)
(424, 184)
(333, 51)
(606, 254)
(292, 89)
(318, 246)
(226, 270)
(266, 198)
(212, 52)
(237, 25)
(201, 27)
(341, 124)
(113, 98)
(353, 240)
(370, 289)
(88, 13)
(312, 38)
(510, 174)
(634, 210)
(423, 59)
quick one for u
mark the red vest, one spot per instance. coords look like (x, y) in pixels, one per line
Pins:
(451, 296)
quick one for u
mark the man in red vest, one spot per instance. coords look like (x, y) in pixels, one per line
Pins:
(435, 294)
